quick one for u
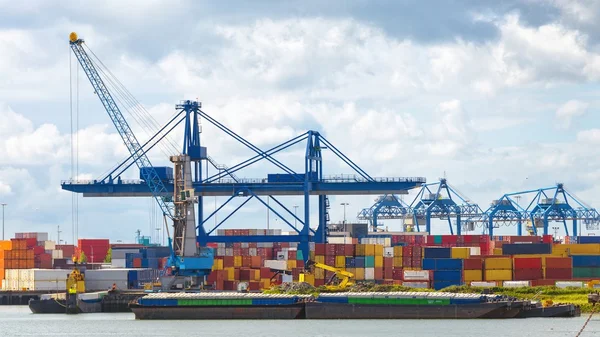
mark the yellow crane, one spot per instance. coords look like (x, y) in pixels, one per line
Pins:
(343, 276)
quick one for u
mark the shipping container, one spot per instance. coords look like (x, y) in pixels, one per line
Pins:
(498, 263)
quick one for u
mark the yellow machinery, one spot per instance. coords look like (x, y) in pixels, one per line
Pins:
(592, 283)
(75, 281)
(342, 275)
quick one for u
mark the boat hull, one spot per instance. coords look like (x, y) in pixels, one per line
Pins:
(293, 311)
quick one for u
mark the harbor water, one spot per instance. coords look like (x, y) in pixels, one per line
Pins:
(19, 321)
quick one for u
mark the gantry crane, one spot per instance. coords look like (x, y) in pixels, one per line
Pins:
(187, 260)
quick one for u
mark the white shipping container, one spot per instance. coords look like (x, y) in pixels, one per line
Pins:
(339, 240)
(118, 263)
(287, 278)
(475, 250)
(49, 245)
(516, 284)
(483, 284)
(120, 253)
(416, 275)
(97, 285)
(369, 273)
(565, 284)
(388, 251)
(228, 252)
(252, 251)
(220, 251)
(57, 254)
(416, 284)
(47, 285)
(282, 256)
(276, 264)
(107, 275)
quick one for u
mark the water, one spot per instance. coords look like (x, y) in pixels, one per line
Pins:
(19, 321)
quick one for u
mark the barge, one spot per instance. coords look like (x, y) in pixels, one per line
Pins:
(95, 302)
(394, 305)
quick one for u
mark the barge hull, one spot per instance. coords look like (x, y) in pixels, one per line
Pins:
(387, 311)
(294, 311)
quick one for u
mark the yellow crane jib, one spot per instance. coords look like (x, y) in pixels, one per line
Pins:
(342, 275)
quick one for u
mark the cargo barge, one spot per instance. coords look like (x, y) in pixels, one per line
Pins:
(102, 301)
(395, 305)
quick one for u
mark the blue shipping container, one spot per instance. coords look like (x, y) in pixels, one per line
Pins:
(437, 253)
(588, 239)
(586, 260)
(526, 248)
(359, 261)
(350, 262)
(448, 264)
(438, 285)
(447, 275)
(428, 264)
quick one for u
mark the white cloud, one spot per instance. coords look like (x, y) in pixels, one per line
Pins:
(589, 136)
(569, 110)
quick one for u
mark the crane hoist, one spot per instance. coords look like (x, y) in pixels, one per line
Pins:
(187, 261)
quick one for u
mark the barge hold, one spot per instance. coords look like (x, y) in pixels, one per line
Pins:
(394, 305)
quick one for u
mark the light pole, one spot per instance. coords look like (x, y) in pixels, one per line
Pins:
(555, 231)
(295, 208)
(3, 205)
(344, 204)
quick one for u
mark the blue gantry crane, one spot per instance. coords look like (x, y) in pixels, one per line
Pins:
(388, 206)
(187, 260)
(437, 200)
(189, 186)
(547, 204)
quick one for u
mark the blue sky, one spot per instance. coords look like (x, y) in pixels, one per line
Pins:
(499, 95)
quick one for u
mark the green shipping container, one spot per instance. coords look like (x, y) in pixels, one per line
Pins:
(369, 261)
(437, 239)
(585, 272)
(299, 255)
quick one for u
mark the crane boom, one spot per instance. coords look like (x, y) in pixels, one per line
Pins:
(149, 174)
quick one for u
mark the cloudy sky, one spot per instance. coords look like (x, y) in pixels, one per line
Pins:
(497, 96)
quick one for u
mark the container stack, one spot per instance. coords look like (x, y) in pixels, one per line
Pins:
(473, 270)
(35, 279)
(447, 271)
(557, 268)
(498, 269)
(147, 257)
(586, 266)
(528, 268)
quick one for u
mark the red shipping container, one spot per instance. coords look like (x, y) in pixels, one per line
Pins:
(244, 274)
(68, 250)
(528, 263)
(256, 261)
(416, 263)
(406, 261)
(252, 245)
(559, 274)
(245, 251)
(330, 249)
(237, 245)
(430, 240)
(254, 286)
(137, 262)
(246, 261)
(330, 260)
(407, 251)
(540, 283)
(300, 264)
(266, 273)
(473, 264)
(319, 283)
(397, 273)
(547, 239)
(37, 250)
(558, 262)
(528, 274)
(228, 261)
(348, 250)
(340, 249)
(449, 239)
(417, 252)
(319, 249)
(388, 273)
(378, 273)
(292, 255)
(388, 262)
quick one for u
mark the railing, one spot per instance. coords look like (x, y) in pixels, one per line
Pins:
(328, 179)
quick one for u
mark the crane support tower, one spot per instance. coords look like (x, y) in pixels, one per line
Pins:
(387, 206)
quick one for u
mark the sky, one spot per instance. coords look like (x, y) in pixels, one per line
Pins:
(497, 96)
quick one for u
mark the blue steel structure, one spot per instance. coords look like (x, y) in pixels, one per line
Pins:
(437, 200)
(547, 204)
(387, 206)
(310, 182)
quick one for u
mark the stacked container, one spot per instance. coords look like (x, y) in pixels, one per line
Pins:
(498, 269)
(558, 268)
(473, 270)
(527, 269)
(95, 249)
(586, 266)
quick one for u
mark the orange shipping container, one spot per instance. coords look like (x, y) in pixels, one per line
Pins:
(6, 245)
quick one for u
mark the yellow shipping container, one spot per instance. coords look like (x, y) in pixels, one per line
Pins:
(340, 261)
(378, 250)
(360, 250)
(359, 274)
(319, 274)
(256, 275)
(291, 264)
(351, 270)
(370, 250)
(398, 251)
(237, 261)
(230, 273)
(311, 255)
(491, 263)
(472, 275)
(398, 261)
(5, 245)
(265, 283)
(498, 275)
(320, 259)
(310, 279)
(378, 261)
(217, 264)
(461, 252)
(575, 249)
(497, 251)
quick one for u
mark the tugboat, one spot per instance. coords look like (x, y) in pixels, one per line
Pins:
(549, 309)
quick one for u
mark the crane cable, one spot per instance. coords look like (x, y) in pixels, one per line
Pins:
(587, 320)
